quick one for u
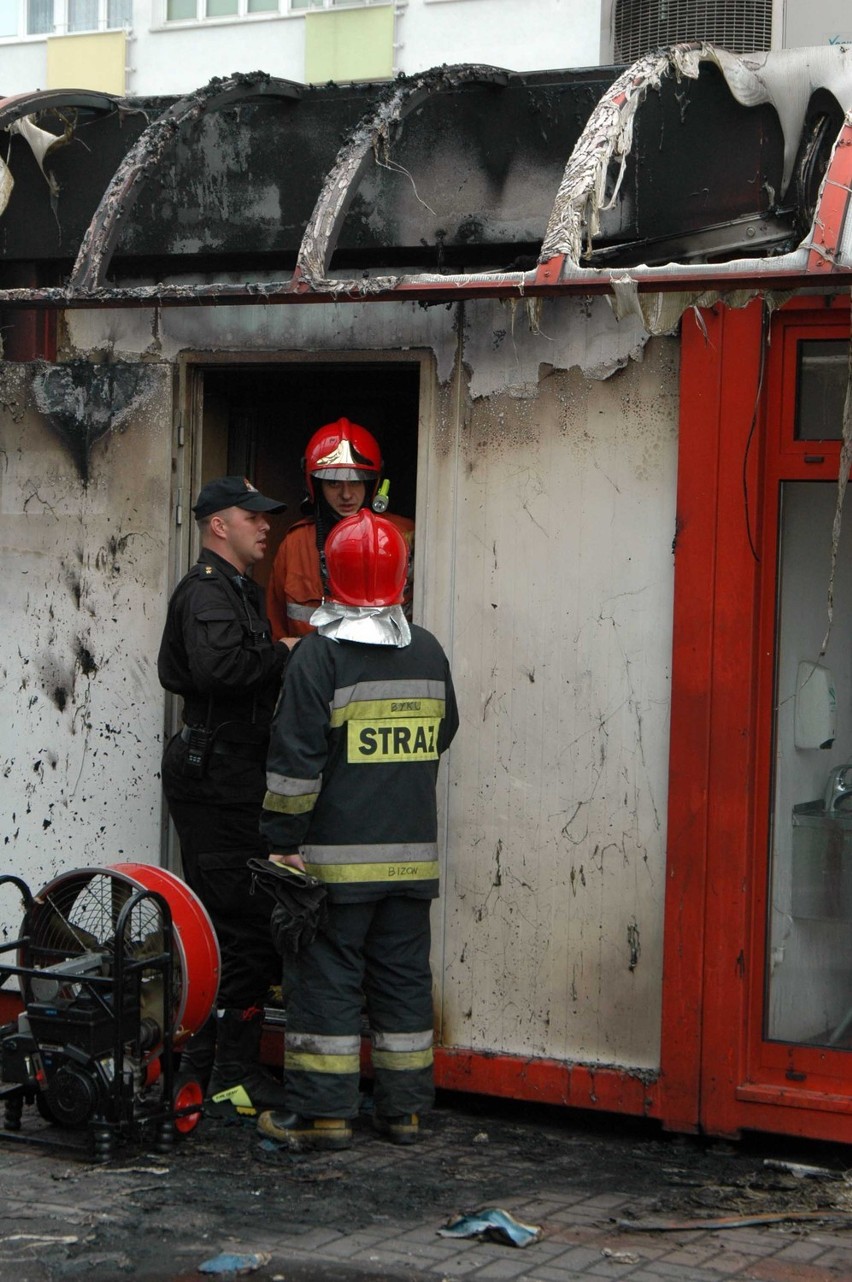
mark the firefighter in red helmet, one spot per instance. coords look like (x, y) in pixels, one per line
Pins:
(366, 709)
(343, 467)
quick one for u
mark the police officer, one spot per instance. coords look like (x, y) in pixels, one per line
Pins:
(217, 653)
(367, 707)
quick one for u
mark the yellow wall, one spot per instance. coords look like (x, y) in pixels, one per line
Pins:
(92, 60)
(352, 44)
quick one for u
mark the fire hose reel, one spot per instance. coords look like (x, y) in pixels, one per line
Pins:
(117, 967)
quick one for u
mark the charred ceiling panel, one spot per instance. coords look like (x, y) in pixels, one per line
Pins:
(473, 169)
(152, 152)
(470, 171)
(262, 161)
(36, 227)
(469, 176)
(690, 167)
(685, 194)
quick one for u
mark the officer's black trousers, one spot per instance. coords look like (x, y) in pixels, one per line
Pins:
(215, 843)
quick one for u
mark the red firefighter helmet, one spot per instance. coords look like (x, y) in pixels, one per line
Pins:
(367, 560)
(342, 451)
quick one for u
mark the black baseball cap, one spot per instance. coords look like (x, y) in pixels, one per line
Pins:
(233, 491)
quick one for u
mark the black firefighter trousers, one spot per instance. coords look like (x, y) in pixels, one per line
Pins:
(375, 953)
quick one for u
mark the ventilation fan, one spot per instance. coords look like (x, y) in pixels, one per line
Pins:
(117, 967)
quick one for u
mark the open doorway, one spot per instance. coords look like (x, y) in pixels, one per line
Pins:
(257, 420)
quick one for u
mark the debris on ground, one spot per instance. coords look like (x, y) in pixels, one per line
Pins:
(224, 1188)
(232, 1264)
(494, 1224)
(731, 1222)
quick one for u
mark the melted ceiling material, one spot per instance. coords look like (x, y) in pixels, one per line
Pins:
(796, 135)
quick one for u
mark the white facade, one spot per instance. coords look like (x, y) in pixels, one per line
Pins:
(173, 57)
(168, 55)
(545, 516)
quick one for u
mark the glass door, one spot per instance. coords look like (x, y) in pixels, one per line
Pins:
(809, 912)
(802, 1000)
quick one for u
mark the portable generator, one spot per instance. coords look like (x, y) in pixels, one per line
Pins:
(116, 967)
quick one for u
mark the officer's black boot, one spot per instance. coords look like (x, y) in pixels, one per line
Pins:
(196, 1058)
(239, 1085)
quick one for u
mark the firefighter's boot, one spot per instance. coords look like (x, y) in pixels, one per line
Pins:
(401, 1129)
(239, 1085)
(196, 1058)
(306, 1132)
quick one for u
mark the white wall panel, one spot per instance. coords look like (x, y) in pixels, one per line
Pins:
(83, 595)
(545, 514)
(562, 593)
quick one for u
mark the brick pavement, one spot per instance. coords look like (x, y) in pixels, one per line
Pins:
(157, 1218)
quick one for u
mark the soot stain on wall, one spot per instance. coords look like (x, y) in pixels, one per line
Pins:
(83, 401)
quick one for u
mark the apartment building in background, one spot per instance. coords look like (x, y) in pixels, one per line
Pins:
(151, 47)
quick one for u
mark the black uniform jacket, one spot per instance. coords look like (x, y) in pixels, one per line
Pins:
(217, 652)
(353, 759)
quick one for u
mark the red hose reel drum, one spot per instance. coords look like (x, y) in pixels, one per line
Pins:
(73, 922)
(197, 958)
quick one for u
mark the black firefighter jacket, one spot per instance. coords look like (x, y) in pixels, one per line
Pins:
(353, 761)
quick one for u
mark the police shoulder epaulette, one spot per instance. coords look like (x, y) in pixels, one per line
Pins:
(200, 571)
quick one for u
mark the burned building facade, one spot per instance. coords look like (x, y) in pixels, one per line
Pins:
(599, 322)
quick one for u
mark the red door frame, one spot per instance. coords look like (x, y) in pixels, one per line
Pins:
(716, 1075)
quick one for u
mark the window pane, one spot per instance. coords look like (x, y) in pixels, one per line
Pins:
(39, 17)
(119, 13)
(8, 17)
(262, 6)
(809, 909)
(221, 8)
(306, 4)
(177, 10)
(82, 15)
(823, 366)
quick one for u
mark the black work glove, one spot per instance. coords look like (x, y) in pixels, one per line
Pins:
(300, 908)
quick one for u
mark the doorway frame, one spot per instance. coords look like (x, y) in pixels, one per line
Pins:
(188, 472)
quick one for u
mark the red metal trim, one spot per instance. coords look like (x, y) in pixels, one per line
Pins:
(550, 271)
(732, 711)
(778, 1113)
(706, 929)
(833, 208)
(540, 1081)
(546, 1081)
(418, 288)
(689, 763)
(823, 1101)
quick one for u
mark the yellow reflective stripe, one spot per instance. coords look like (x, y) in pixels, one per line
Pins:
(302, 1062)
(402, 1042)
(375, 872)
(287, 786)
(289, 805)
(319, 1044)
(381, 709)
(402, 1061)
